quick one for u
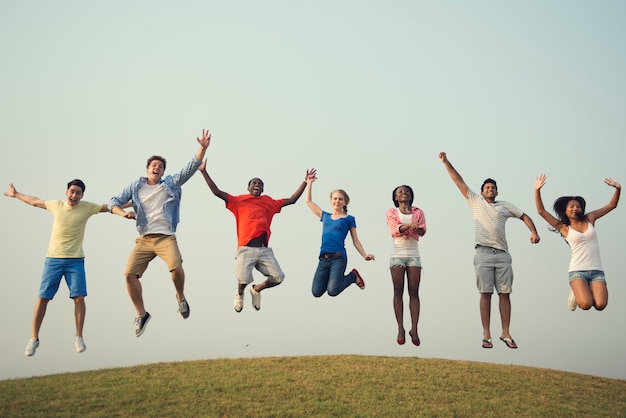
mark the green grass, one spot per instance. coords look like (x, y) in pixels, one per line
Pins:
(316, 386)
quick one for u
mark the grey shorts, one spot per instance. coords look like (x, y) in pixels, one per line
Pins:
(493, 270)
(261, 258)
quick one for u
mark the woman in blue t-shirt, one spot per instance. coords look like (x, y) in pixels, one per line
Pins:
(330, 274)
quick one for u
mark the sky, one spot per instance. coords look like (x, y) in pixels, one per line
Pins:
(368, 93)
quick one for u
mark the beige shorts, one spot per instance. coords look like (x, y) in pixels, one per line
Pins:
(152, 245)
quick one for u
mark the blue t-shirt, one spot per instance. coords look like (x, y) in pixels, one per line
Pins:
(334, 232)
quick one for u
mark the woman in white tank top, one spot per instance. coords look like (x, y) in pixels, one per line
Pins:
(407, 225)
(587, 282)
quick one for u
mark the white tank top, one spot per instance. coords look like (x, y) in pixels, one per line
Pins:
(585, 249)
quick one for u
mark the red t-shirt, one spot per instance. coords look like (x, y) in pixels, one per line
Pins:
(253, 215)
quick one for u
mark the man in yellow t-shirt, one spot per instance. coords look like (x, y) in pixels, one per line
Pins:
(65, 255)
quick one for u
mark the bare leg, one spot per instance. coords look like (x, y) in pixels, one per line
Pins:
(600, 295)
(397, 279)
(40, 312)
(263, 285)
(133, 285)
(241, 287)
(505, 314)
(80, 310)
(178, 277)
(414, 275)
(583, 295)
(485, 314)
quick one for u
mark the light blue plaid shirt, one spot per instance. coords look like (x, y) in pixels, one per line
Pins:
(172, 185)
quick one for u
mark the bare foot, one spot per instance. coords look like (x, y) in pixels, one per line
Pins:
(401, 339)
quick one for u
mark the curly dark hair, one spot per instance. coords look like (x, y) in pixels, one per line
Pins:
(393, 195)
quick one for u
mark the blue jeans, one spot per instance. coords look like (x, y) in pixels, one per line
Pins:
(329, 277)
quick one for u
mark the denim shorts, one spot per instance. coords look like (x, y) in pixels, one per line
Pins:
(588, 275)
(53, 271)
(405, 262)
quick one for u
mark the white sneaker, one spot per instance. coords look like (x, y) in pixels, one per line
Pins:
(256, 298)
(80, 344)
(571, 301)
(238, 302)
(33, 343)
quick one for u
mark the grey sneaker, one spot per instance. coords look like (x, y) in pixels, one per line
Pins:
(33, 343)
(183, 308)
(571, 301)
(140, 324)
(80, 344)
(238, 302)
(256, 298)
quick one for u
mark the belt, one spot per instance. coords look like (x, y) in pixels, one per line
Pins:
(492, 250)
(331, 255)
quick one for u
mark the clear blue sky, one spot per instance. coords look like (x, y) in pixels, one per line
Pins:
(366, 92)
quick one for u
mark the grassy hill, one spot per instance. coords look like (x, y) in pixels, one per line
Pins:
(316, 386)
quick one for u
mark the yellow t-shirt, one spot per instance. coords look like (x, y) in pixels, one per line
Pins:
(68, 227)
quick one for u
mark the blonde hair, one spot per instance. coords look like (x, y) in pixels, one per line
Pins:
(345, 197)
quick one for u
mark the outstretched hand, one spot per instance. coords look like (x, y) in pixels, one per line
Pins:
(443, 157)
(540, 181)
(613, 183)
(311, 175)
(11, 192)
(205, 140)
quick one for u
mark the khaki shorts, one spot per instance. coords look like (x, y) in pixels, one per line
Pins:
(152, 245)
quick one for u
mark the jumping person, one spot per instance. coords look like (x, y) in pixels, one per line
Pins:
(492, 260)
(156, 200)
(65, 256)
(586, 275)
(330, 274)
(253, 213)
(407, 224)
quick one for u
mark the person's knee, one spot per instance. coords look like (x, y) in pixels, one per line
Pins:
(600, 305)
(276, 280)
(333, 292)
(178, 272)
(131, 278)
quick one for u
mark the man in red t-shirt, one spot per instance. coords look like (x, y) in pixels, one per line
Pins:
(253, 215)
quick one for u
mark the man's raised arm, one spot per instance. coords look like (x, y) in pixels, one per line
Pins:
(454, 175)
